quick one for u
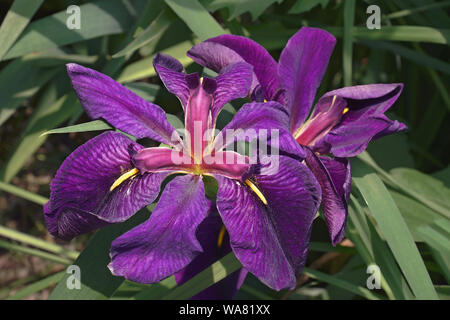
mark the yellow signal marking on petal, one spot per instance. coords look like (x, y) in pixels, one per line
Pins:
(265, 100)
(256, 191)
(221, 236)
(345, 110)
(127, 175)
(201, 80)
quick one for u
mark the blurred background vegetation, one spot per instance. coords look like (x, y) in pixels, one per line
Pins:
(404, 228)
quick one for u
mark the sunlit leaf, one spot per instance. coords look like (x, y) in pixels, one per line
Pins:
(395, 230)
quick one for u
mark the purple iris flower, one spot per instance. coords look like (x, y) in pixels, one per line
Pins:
(267, 218)
(340, 125)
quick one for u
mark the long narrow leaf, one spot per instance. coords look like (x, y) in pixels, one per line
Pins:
(196, 17)
(38, 243)
(17, 18)
(98, 19)
(23, 193)
(213, 274)
(360, 291)
(34, 252)
(395, 230)
(347, 53)
(95, 125)
(38, 286)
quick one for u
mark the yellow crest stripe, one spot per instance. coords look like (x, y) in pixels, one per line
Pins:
(127, 175)
(256, 191)
(221, 236)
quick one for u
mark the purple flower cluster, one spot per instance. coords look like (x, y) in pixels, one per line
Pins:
(265, 217)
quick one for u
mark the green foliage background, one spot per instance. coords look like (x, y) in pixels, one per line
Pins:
(399, 208)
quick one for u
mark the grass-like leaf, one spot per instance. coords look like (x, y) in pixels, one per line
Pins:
(95, 125)
(34, 252)
(33, 197)
(238, 7)
(395, 230)
(99, 18)
(211, 275)
(153, 32)
(17, 18)
(37, 286)
(197, 18)
(347, 47)
(97, 282)
(37, 243)
(360, 291)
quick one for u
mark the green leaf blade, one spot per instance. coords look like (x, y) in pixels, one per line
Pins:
(395, 230)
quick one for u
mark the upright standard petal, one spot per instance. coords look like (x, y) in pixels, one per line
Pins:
(216, 53)
(233, 82)
(363, 120)
(166, 242)
(302, 64)
(81, 198)
(334, 176)
(170, 71)
(216, 244)
(269, 220)
(102, 97)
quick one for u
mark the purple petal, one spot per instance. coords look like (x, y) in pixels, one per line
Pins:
(102, 97)
(208, 234)
(219, 52)
(364, 121)
(271, 240)
(394, 127)
(81, 200)
(302, 64)
(334, 176)
(233, 82)
(166, 242)
(256, 119)
(170, 70)
(371, 98)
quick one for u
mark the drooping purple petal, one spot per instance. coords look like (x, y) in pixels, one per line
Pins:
(166, 242)
(259, 120)
(271, 240)
(216, 53)
(214, 248)
(334, 176)
(302, 64)
(170, 70)
(81, 199)
(364, 120)
(233, 82)
(102, 97)
(393, 127)
(351, 139)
